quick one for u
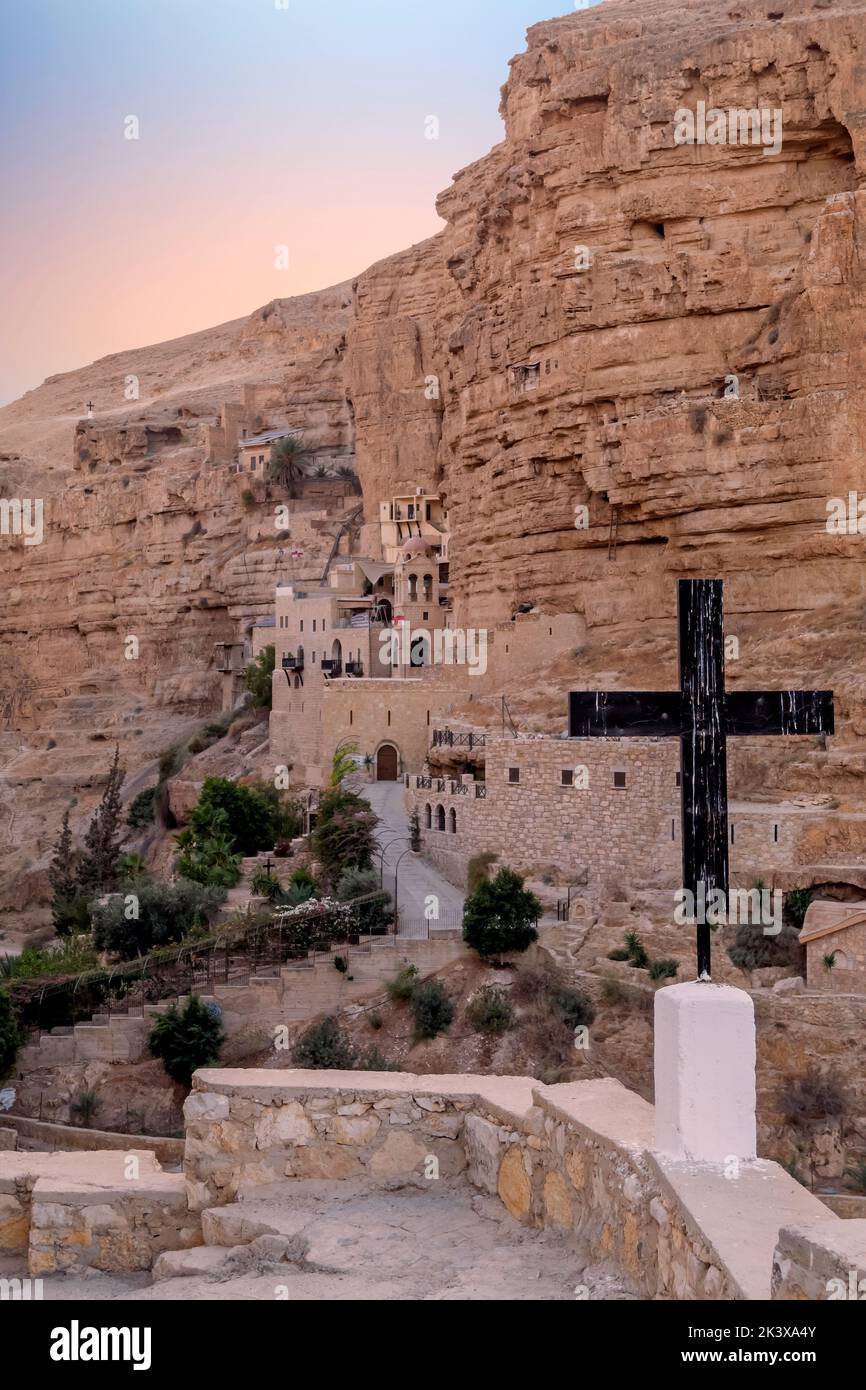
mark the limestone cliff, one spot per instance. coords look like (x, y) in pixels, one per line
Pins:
(668, 335)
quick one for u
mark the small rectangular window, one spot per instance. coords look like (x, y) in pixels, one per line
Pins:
(566, 777)
(619, 779)
(514, 774)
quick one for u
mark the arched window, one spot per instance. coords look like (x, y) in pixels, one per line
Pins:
(428, 817)
(440, 817)
(452, 821)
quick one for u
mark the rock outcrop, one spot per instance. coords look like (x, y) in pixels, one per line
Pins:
(667, 335)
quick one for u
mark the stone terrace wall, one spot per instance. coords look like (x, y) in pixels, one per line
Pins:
(576, 1158)
(601, 831)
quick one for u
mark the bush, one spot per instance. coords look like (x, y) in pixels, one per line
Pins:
(797, 904)
(375, 912)
(812, 1096)
(70, 957)
(636, 950)
(11, 1036)
(573, 1007)
(490, 1011)
(344, 837)
(141, 810)
(324, 1047)
(477, 870)
(264, 885)
(85, 1106)
(665, 969)
(187, 1038)
(257, 678)
(432, 1009)
(167, 912)
(374, 1060)
(500, 916)
(403, 985)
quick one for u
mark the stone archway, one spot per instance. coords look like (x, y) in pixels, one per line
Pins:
(387, 764)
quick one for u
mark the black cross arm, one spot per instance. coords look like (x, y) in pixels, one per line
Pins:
(760, 712)
(624, 714)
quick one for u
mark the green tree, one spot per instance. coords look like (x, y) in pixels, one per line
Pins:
(165, 913)
(187, 1038)
(254, 816)
(69, 906)
(97, 872)
(500, 916)
(257, 677)
(287, 465)
(345, 833)
(11, 1037)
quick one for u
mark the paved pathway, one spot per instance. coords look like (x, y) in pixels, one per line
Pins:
(416, 879)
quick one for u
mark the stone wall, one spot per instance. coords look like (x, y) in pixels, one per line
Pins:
(112, 1211)
(576, 1158)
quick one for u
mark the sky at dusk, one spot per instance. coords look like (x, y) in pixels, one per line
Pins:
(261, 123)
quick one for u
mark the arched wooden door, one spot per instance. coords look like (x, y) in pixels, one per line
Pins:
(387, 763)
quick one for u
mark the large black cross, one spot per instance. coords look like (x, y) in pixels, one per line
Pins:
(703, 716)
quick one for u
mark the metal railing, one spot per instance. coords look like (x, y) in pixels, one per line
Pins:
(457, 738)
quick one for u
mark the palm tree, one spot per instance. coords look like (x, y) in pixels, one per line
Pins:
(287, 464)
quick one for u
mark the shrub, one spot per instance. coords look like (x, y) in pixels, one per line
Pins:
(432, 1009)
(344, 836)
(797, 904)
(573, 1007)
(477, 870)
(500, 916)
(257, 678)
(490, 1011)
(71, 956)
(324, 1047)
(752, 950)
(85, 1106)
(403, 985)
(11, 1037)
(167, 912)
(374, 1060)
(141, 809)
(809, 1097)
(264, 885)
(636, 950)
(374, 912)
(664, 969)
(187, 1038)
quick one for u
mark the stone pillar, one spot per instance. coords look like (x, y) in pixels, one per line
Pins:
(705, 1073)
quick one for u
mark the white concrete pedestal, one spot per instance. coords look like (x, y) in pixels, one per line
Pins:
(705, 1073)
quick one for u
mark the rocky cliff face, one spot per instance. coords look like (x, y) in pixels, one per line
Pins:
(667, 335)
